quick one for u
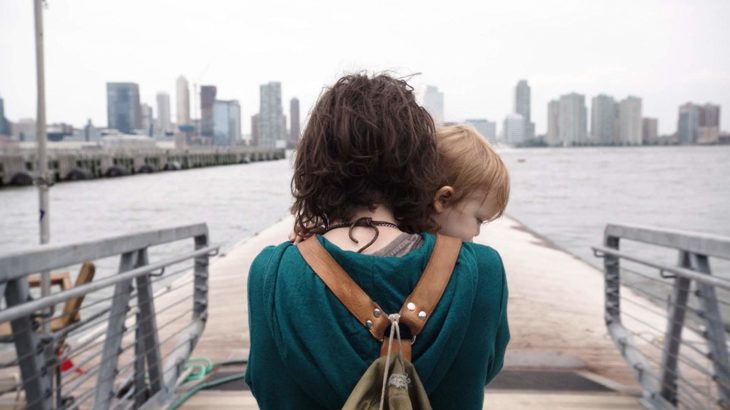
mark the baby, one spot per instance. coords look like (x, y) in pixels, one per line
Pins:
(475, 183)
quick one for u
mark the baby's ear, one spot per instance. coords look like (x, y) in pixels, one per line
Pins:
(442, 199)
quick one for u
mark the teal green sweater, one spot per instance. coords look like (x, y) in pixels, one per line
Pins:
(308, 351)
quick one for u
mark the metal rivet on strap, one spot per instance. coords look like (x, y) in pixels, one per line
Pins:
(368, 324)
(422, 315)
(377, 312)
(411, 306)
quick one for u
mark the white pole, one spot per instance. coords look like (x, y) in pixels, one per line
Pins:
(42, 180)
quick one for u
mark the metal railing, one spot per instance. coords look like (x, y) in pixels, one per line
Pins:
(667, 319)
(130, 337)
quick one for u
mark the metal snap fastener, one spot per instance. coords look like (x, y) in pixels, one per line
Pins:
(368, 324)
(422, 315)
(377, 312)
(411, 306)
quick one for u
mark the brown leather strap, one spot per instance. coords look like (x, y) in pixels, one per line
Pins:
(404, 345)
(345, 289)
(421, 303)
(417, 308)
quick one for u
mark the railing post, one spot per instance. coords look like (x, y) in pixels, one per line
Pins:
(114, 335)
(715, 332)
(29, 350)
(200, 296)
(612, 282)
(148, 323)
(140, 385)
(673, 338)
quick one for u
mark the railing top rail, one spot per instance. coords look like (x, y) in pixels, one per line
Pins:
(43, 258)
(694, 242)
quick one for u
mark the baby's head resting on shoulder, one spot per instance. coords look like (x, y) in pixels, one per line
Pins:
(475, 183)
(367, 143)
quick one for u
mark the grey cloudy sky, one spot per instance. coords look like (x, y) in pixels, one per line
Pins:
(667, 52)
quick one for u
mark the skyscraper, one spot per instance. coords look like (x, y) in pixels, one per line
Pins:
(148, 121)
(553, 129)
(522, 107)
(4, 125)
(124, 112)
(433, 102)
(255, 130)
(272, 125)
(604, 119)
(649, 130)
(487, 128)
(688, 123)
(183, 101)
(294, 131)
(629, 119)
(515, 131)
(226, 122)
(163, 113)
(207, 100)
(572, 119)
(709, 131)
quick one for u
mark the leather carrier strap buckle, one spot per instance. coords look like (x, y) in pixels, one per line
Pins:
(418, 306)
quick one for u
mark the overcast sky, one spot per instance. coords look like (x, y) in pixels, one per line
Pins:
(667, 52)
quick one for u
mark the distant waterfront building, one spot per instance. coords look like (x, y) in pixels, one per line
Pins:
(272, 123)
(183, 101)
(24, 129)
(604, 120)
(649, 130)
(487, 128)
(124, 111)
(207, 100)
(629, 119)
(294, 126)
(148, 121)
(433, 102)
(552, 137)
(226, 122)
(255, 130)
(4, 123)
(688, 123)
(709, 131)
(522, 107)
(572, 125)
(515, 129)
(163, 122)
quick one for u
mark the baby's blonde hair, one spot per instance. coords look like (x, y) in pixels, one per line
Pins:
(469, 164)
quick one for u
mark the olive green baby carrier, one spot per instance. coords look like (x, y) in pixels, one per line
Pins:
(391, 381)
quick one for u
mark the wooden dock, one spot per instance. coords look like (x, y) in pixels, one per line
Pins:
(555, 314)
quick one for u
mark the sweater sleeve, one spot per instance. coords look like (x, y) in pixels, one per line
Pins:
(502, 334)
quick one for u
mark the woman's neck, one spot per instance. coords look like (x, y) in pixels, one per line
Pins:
(364, 235)
(378, 213)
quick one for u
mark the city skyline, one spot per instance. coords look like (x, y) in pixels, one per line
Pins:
(677, 60)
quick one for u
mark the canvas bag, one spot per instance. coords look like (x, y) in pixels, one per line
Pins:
(391, 381)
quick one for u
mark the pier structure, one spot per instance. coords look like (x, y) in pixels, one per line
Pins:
(18, 167)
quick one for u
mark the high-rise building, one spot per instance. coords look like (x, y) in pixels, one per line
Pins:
(604, 120)
(163, 113)
(272, 124)
(207, 100)
(522, 107)
(183, 101)
(515, 129)
(226, 122)
(294, 126)
(688, 123)
(649, 130)
(4, 125)
(709, 131)
(572, 126)
(629, 118)
(255, 130)
(487, 128)
(148, 121)
(552, 136)
(124, 111)
(433, 102)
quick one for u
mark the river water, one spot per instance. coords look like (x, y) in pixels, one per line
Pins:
(567, 195)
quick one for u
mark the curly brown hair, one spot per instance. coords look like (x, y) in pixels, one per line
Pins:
(367, 142)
